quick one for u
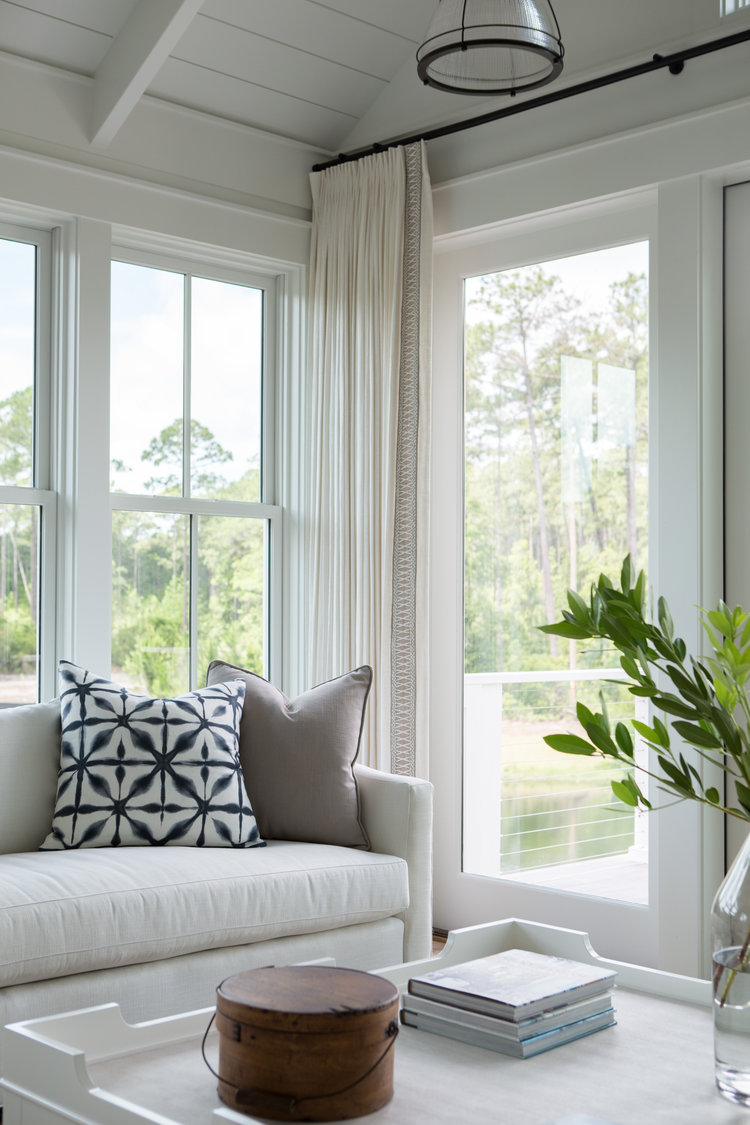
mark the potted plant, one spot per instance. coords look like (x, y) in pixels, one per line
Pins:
(704, 702)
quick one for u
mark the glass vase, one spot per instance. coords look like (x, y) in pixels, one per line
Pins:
(730, 934)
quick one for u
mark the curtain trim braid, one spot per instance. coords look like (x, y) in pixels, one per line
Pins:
(404, 604)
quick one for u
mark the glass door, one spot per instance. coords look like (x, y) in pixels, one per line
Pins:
(556, 366)
(562, 447)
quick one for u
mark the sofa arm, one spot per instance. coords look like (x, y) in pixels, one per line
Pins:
(397, 815)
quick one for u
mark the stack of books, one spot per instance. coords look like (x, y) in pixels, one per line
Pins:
(516, 1002)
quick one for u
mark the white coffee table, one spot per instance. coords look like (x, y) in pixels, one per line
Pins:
(654, 1067)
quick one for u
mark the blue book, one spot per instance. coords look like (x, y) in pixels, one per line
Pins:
(518, 1048)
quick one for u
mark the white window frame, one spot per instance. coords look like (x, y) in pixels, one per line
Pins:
(40, 493)
(213, 268)
(672, 932)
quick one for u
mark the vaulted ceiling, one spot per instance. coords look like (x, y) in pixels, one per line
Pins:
(332, 73)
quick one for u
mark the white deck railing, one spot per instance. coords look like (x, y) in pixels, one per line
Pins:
(484, 779)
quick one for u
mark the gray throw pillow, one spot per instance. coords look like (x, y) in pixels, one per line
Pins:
(139, 771)
(298, 756)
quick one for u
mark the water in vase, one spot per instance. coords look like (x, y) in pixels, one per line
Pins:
(732, 1023)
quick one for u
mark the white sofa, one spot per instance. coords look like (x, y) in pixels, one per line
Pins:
(157, 928)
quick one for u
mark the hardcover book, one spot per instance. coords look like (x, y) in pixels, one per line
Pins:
(510, 1029)
(514, 984)
(521, 1048)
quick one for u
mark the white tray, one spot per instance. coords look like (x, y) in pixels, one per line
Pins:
(654, 1067)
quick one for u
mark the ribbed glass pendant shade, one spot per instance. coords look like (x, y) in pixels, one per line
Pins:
(491, 46)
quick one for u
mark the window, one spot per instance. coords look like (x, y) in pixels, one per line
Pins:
(556, 491)
(192, 533)
(730, 6)
(27, 506)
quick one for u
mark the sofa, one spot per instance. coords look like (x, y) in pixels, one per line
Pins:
(157, 928)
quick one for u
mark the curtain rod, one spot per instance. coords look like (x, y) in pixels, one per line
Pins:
(674, 62)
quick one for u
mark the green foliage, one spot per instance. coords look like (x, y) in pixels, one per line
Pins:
(17, 639)
(705, 702)
(518, 549)
(151, 604)
(15, 438)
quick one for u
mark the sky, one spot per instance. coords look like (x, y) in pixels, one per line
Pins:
(588, 276)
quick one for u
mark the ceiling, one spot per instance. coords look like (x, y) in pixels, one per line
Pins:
(334, 74)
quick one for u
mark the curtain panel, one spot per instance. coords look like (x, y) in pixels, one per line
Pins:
(368, 396)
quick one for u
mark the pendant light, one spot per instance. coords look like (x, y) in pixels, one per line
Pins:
(491, 46)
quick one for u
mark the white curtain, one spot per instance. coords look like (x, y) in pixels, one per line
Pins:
(370, 299)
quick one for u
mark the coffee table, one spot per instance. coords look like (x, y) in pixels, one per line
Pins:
(655, 1066)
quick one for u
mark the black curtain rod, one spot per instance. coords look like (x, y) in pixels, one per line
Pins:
(674, 62)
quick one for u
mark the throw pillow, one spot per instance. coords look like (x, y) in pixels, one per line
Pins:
(136, 770)
(298, 756)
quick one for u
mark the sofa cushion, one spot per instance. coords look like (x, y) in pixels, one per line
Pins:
(29, 761)
(136, 770)
(75, 911)
(298, 756)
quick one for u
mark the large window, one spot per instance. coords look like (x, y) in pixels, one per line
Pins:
(556, 492)
(27, 508)
(192, 535)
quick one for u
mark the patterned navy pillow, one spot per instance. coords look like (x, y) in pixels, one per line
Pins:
(137, 771)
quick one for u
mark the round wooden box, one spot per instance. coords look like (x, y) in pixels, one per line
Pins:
(306, 1042)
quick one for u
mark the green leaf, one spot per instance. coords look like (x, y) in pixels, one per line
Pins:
(712, 795)
(627, 575)
(720, 622)
(624, 739)
(630, 668)
(685, 686)
(662, 732)
(624, 794)
(675, 774)
(569, 744)
(697, 736)
(743, 796)
(665, 619)
(650, 734)
(566, 629)
(746, 633)
(578, 606)
(601, 739)
(674, 706)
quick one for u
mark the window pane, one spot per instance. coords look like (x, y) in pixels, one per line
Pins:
(231, 592)
(556, 422)
(226, 354)
(19, 630)
(146, 380)
(150, 605)
(17, 360)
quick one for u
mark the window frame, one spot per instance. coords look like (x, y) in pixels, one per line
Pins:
(265, 509)
(40, 494)
(672, 932)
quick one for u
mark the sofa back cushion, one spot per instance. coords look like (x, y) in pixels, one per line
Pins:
(29, 761)
(298, 756)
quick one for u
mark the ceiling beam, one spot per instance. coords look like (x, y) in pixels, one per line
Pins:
(150, 33)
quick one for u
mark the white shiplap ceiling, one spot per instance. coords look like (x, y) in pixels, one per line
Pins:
(334, 74)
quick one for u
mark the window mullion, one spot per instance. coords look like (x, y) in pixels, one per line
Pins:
(186, 386)
(193, 613)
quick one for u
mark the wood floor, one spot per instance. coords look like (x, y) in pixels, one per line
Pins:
(438, 941)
